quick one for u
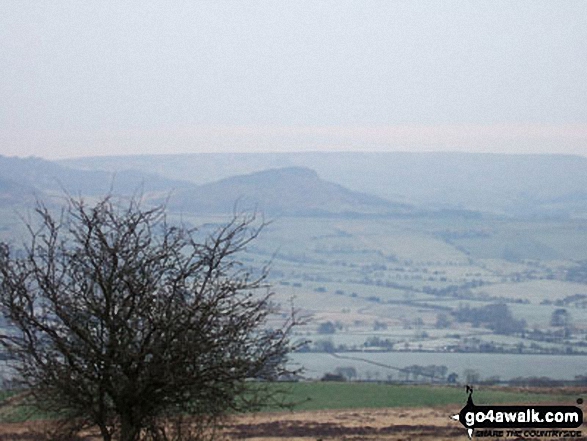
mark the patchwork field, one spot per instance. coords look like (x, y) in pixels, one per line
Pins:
(424, 290)
(428, 285)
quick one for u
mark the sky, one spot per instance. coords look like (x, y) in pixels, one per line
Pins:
(143, 77)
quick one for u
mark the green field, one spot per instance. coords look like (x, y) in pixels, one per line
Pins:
(327, 395)
(332, 395)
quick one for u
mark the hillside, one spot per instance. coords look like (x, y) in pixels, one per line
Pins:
(512, 185)
(23, 179)
(14, 193)
(285, 191)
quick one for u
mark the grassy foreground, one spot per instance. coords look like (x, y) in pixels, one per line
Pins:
(330, 395)
(326, 395)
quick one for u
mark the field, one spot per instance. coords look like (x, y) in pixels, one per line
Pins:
(369, 411)
(399, 286)
(331, 395)
(385, 366)
(349, 425)
(350, 411)
(398, 424)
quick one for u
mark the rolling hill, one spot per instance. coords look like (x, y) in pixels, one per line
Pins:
(284, 191)
(24, 179)
(510, 185)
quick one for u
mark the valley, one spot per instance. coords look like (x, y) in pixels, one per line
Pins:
(399, 272)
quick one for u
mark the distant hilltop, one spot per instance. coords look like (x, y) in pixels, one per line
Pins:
(282, 191)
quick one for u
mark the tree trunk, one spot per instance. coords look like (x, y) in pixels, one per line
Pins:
(106, 435)
(129, 431)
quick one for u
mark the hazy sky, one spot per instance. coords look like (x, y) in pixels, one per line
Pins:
(84, 78)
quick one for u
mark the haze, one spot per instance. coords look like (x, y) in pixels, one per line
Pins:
(138, 77)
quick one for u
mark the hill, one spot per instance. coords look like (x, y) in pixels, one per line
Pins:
(24, 179)
(14, 193)
(512, 185)
(284, 191)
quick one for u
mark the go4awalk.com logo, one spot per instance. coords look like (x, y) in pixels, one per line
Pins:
(520, 421)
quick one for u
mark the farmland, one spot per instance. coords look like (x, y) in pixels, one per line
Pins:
(411, 291)
(328, 396)
(391, 289)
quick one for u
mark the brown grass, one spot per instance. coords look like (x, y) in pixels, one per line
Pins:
(393, 424)
(348, 425)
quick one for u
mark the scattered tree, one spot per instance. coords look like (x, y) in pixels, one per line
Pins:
(472, 376)
(560, 318)
(124, 322)
(379, 326)
(495, 316)
(324, 346)
(333, 377)
(452, 378)
(326, 328)
(443, 321)
(348, 372)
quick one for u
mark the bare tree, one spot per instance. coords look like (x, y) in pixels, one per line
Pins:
(126, 323)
